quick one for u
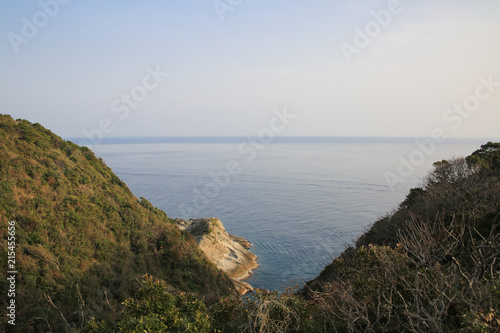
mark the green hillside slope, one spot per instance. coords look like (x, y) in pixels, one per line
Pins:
(82, 238)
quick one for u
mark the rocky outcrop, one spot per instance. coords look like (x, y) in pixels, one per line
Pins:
(230, 253)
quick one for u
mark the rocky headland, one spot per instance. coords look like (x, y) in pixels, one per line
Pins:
(229, 253)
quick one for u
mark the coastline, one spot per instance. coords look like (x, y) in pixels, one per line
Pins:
(228, 252)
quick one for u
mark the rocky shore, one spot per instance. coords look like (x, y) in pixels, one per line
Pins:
(229, 253)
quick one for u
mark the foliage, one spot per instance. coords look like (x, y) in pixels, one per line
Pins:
(487, 157)
(159, 308)
(82, 236)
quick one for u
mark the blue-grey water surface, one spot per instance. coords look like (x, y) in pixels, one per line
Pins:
(300, 204)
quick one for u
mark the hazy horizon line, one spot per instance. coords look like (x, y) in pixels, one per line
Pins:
(278, 139)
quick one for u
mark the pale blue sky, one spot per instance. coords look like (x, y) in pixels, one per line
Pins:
(226, 76)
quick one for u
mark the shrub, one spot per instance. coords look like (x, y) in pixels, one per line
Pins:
(158, 308)
(266, 311)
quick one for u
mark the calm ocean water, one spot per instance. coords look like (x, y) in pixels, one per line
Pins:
(300, 202)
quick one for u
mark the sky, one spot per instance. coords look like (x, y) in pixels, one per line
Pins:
(393, 68)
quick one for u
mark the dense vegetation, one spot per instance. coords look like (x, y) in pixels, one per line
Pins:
(93, 258)
(82, 237)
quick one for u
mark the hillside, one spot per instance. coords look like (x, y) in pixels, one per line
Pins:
(429, 266)
(82, 237)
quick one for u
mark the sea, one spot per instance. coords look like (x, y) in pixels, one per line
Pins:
(299, 201)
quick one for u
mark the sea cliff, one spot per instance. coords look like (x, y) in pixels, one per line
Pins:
(229, 253)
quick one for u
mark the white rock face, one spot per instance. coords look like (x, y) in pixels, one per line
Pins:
(227, 252)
